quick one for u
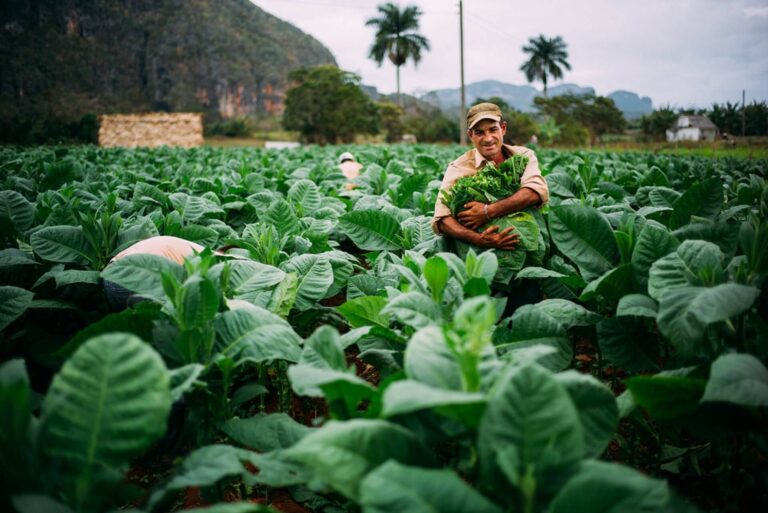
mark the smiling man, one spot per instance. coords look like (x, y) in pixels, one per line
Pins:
(486, 129)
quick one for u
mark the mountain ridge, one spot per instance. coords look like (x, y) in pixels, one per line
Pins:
(521, 97)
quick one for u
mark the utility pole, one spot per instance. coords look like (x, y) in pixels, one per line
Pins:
(743, 112)
(463, 111)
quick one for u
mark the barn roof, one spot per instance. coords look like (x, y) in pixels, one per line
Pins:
(694, 121)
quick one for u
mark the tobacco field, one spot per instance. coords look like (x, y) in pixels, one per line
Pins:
(350, 360)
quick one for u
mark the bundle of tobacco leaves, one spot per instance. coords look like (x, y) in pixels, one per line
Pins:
(491, 184)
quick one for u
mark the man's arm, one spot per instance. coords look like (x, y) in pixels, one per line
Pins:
(491, 237)
(475, 214)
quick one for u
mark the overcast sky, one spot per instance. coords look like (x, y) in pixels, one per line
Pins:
(679, 52)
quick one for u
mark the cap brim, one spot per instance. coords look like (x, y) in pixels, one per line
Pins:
(481, 117)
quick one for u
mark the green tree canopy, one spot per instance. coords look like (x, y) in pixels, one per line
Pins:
(656, 123)
(397, 37)
(597, 114)
(547, 59)
(391, 120)
(326, 105)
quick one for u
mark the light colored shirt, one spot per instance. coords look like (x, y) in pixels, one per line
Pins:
(172, 248)
(350, 169)
(472, 162)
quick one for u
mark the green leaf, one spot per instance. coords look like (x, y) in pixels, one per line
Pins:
(372, 230)
(341, 454)
(142, 274)
(571, 280)
(532, 326)
(194, 208)
(396, 488)
(627, 343)
(281, 216)
(264, 432)
(738, 379)
(597, 409)
(408, 396)
(429, 360)
(306, 194)
(65, 244)
(666, 397)
(568, 313)
(315, 276)
(692, 261)
(685, 313)
(247, 277)
(14, 301)
(414, 309)
(198, 302)
(585, 237)
(611, 286)
(436, 273)
(15, 211)
(183, 378)
(16, 405)
(654, 242)
(365, 311)
(108, 403)
(12, 257)
(601, 487)
(284, 295)
(364, 285)
(637, 305)
(256, 335)
(703, 199)
(532, 419)
(205, 466)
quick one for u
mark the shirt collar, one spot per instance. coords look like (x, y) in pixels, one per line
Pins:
(481, 161)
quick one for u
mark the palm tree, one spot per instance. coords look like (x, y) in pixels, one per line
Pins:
(396, 37)
(547, 55)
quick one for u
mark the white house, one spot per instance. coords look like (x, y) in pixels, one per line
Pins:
(689, 127)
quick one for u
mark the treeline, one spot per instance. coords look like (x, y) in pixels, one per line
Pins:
(326, 105)
(731, 119)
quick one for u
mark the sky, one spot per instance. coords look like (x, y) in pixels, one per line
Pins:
(682, 53)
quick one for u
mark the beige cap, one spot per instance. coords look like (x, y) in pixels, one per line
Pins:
(482, 111)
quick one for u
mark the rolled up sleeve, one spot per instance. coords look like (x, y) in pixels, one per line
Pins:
(533, 179)
(441, 209)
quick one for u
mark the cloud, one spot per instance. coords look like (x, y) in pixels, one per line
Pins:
(756, 11)
(681, 52)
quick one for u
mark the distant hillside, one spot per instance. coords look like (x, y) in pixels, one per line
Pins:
(66, 58)
(631, 104)
(521, 97)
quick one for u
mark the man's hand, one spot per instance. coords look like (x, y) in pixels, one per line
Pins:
(474, 216)
(491, 237)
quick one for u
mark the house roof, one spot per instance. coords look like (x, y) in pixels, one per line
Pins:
(694, 121)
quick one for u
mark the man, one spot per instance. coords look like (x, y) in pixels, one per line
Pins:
(348, 166)
(486, 129)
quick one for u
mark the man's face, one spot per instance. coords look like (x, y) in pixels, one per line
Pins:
(488, 136)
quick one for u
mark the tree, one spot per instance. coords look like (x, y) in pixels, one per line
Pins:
(727, 117)
(326, 105)
(657, 122)
(547, 57)
(580, 115)
(391, 120)
(396, 37)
